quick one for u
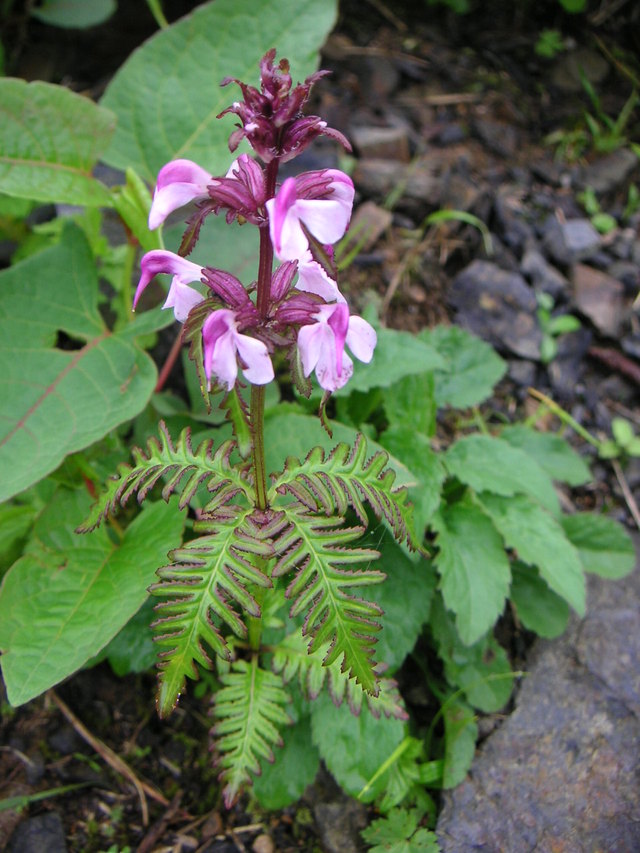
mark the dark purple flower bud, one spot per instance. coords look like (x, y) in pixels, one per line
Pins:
(299, 310)
(271, 119)
(227, 287)
(242, 191)
(281, 280)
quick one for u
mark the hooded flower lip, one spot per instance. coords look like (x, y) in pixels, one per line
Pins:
(179, 182)
(321, 345)
(181, 298)
(312, 278)
(319, 201)
(223, 345)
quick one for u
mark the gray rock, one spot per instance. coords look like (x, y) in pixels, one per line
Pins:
(561, 773)
(381, 142)
(498, 306)
(600, 297)
(541, 274)
(339, 824)
(569, 67)
(609, 173)
(44, 832)
(570, 241)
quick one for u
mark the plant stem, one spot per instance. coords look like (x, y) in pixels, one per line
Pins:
(565, 417)
(155, 8)
(258, 391)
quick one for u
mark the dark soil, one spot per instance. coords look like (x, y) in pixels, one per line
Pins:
(466, 105)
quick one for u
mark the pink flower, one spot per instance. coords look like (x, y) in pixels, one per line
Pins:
(179, 182)
(312, 278)
(319, 201)
(181, 298)
(321, 345)
(223, 344)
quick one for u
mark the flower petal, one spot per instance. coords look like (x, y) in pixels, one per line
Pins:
(179, 182)
(218, 335)
(162, 261)
(361, 339)
(312, 278)
(182, 299)
(254, 354)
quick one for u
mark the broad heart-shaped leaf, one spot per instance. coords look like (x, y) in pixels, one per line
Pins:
(64, 600)
(471, 366)
(605, 548)
(493, 465)
(539, 540)
(50, 139)
(167, 95)
(474, 569)
(65, 379)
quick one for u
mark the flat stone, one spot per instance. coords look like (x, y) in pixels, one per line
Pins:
(560, 776)
(381, 142)
(569, 67)
(570, 241)
(498, 306)
(600, 297)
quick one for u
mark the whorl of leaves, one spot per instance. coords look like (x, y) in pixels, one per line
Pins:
(180, 465)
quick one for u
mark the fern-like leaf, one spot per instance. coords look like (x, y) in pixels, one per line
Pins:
(209, 576)
(291, 658)
(248, 714)
(348, 478)
(315, 546)
(181, 466)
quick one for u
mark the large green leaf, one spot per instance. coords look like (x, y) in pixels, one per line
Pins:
(539, 540)
(50, 139)
(397, 354)
(605, 547)
(539, 608)
(354, 747)
(65, 379)
(471, 366)
(552, 453)
(64, 600)
(493, 465)
(74, 14)
(474, 569)
(167, 95)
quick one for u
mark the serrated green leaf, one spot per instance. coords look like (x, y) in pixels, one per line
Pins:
(295, 767)
(353, 747)
(50, 139)
(414, 450)
(398, 833)
(209, 577)
(315, 547)
(539, 540)
(471, 367)
(167, 94)
(397, 355)
(604, 546)
(405, 599)
(249, 715)
(64, 600)
(552, 453)
(474, 569)
(493, 465)
(460, 734)
(410, 404)
(537, 606)
(56, 400)
(481, 670)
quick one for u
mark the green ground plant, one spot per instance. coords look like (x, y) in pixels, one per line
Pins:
(482, 534)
